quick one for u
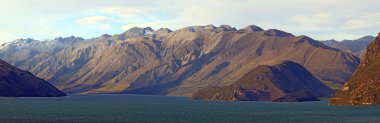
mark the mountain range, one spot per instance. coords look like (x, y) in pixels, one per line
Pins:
(180, 62)
(357, 46)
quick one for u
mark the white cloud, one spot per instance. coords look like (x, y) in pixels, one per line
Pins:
(317, 19)
(143, 17)
(94, 19)
(363, 21)
(155, 25)
(121, 11)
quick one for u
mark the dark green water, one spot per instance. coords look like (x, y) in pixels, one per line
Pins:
(157, 109)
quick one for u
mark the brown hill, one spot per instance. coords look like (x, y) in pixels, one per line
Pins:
(287, 81)
(364, 86)
(18, 83)
(181, 62)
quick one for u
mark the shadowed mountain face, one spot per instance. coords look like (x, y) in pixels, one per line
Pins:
(364, 86)
(143, 61)
(287, 81)
(357, 46)
(18, 83)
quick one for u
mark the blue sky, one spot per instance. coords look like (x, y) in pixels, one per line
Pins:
(319, 19)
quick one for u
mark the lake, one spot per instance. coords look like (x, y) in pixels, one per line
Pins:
(156, 109)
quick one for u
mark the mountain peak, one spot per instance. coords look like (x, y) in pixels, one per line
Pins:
(71, 38)
(306, 39)
(106, 35)
(18, 43)
(136, 32)
(22, 40)
(278, 33)
(198, 28)
(252, 28)
(368, 37)
(145, 30)
(226, 28)
(163, 30)
(212, 28)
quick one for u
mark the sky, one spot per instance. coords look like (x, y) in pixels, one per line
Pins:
(318, 19)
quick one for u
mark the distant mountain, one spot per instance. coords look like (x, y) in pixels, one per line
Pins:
(364, 86)
(136, 32)
(18, 83)
(287, 81)
(356, 46)
(144, 61)
(19, 51)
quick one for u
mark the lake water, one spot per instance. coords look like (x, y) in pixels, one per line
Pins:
(165, 109)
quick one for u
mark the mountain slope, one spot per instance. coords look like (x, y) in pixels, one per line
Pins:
(18, 52)
(180, 62)
(18, 83)
(364, 86)
(356, 46)
(287, 81)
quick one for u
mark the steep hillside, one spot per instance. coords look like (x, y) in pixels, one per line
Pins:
(18, 83)
(364, 86)
(287, 81)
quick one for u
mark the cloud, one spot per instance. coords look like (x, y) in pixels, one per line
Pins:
(94, 19)
(317, 19)
(97, 22)
(143, 17)
(124, 11)
(155, 25)
(363, 21)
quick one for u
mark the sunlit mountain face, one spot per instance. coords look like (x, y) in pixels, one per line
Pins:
(180, 62)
